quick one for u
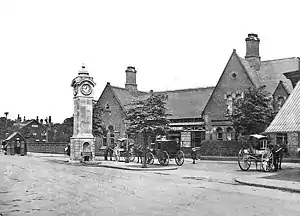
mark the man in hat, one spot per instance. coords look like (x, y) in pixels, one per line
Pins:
(194, 155)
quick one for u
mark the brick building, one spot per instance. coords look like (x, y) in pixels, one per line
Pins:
(203, 113)
(34, 130)
(239, 74)
(185, 106)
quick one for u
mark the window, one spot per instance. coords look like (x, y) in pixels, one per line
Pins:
(197, 137)
(112, 138)
(219, 134)
(281, 138)
(229, 105)
(238, 96)
(104, 141)
(107, 106)
(280, 102)
(229, 133)
(34, 134)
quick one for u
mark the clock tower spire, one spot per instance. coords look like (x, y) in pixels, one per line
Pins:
(82, 141)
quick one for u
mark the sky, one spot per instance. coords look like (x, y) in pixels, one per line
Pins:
(174, 44)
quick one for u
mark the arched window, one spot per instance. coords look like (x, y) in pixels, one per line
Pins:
(238, 96)
(229, 132)
(219, 133)
(229, 104)
(111, 134)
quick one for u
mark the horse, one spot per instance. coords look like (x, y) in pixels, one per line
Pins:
(138, 152)
(278, 152)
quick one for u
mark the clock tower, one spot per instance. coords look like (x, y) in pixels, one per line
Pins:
(82, 141)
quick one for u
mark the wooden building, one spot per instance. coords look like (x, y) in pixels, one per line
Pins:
(285, 128)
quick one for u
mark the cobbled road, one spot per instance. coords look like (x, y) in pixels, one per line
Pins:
(44, 186)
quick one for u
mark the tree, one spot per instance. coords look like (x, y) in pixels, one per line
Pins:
(6, 127)
(147, 116)
(98, 127)
(63, 132)
(254, 112)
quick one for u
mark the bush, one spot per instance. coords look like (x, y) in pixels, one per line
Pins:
(220, 148)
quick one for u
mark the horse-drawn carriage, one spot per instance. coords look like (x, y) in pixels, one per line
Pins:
(256, 149)
(164, 150)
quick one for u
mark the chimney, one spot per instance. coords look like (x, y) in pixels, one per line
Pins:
(37, 118)
(131, 85)
(49, 119)
(41, 121)
(252, 50)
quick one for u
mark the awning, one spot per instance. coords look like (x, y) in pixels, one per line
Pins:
(186, 123)
(258, 136)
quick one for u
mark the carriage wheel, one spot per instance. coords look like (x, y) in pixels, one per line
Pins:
(243, 160)
(150, 158)
(163, 158)
(179, 158)
(267, 161)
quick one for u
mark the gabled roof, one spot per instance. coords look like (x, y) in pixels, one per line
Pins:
(187, 103)
(13, 135)
(271, 72)
(125, 96)
(283, 86)
(288, 118)
(28, 122)
(184, 103)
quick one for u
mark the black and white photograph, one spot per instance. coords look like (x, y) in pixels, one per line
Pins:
(149, 108)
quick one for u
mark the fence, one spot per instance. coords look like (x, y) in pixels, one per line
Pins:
(54, 148)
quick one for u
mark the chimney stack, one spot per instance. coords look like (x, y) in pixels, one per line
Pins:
(131, 85)
(252, 50)
(49, 119)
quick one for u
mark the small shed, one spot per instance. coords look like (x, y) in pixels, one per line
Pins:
(15, 144)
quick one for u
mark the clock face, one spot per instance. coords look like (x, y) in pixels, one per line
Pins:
(75, 90)
(86, 89)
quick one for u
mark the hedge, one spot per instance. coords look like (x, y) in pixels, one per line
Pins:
(219, 148)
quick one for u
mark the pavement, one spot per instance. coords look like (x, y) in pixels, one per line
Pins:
(256, 180)
(108, 164)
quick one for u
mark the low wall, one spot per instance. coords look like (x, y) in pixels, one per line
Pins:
(55, 148)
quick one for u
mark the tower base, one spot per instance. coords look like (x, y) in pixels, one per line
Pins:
(82, 149)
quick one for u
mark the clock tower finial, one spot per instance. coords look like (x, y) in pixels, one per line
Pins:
(83, 70)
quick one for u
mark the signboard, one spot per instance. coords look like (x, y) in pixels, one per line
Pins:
(176, 128)
(186, 139)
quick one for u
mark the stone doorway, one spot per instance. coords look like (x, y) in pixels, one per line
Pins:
(87, 153)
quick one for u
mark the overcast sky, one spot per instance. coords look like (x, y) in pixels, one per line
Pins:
(174, 44)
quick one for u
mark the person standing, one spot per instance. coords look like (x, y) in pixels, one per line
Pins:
(194, 155)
